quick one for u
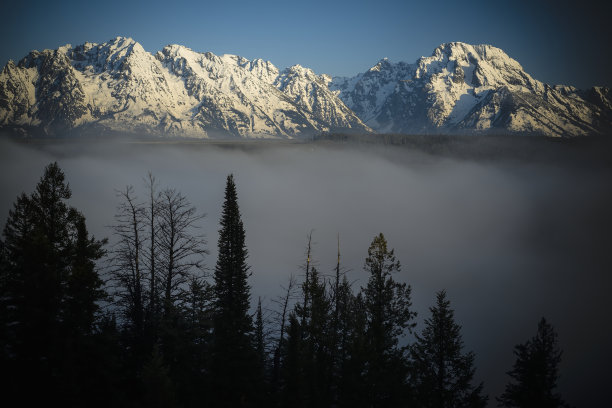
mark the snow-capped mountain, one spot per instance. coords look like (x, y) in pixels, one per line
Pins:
(464, 87)
(118, 86)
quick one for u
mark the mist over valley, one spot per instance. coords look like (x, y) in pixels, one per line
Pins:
(513, 229)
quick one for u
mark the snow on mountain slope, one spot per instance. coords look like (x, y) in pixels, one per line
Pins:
(119, 86)
(464, 87)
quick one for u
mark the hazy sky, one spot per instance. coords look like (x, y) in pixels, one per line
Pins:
(557, 41)
(511, 241)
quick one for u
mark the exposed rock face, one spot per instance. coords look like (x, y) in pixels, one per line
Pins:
(118, 86)
(463, 88)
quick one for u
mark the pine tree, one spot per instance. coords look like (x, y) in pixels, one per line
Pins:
(198, 309)
(292, 379)
(308, 264)
(354, 387)
(535, 372)
(234, 357)
(260, 345)
(263, 397)
(389, 315)
(84, 288)
(50, 289)
(193, 381)
(316, 361)
(442, 374)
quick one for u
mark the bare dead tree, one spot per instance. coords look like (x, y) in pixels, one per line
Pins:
(283, 303)
(152, 210)
(181, 249)
(126, 272)
(337, 285)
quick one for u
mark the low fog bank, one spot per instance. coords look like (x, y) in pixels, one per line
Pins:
(513, 233)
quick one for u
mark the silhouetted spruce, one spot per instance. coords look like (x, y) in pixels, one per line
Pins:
(353, 387)
(442, 374)
(535, 372)
(50, 291)
(234, 359)
(316, 341)
(389, 315)
(263, 395)
(291, 371)
(260, 345)
(193, 352)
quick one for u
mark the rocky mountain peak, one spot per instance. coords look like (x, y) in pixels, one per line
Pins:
(381, 65)
(462, 87)
(117, 86)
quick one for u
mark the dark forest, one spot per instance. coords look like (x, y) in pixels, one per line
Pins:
(141, 322)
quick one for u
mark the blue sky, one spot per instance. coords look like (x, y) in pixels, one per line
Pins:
(555, 41)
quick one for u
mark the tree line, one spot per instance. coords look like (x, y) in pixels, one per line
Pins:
(139, 323)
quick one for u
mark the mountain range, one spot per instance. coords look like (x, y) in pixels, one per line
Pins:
(118, 87)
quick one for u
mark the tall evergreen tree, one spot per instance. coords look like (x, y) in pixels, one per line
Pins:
(192, 386)
(442, 374)
(50, 290)
(353, 386)
(316, 354)
(389, 315)
(293, 385)
(234, 357)
(84, 288)
(535, 372)
(307, 266)
(260, 344)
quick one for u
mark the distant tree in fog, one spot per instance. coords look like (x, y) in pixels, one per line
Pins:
(441, 373)
(535, 372)
(389, 315)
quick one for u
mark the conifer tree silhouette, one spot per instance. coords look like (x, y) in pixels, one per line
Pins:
(234, 358)
(50, 289)
(535, 372)
(442, 373)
